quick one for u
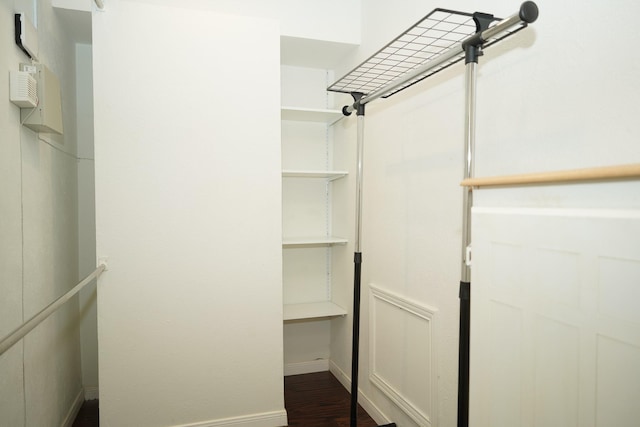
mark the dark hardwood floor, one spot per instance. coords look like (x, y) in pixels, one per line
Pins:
(312, 400)
(319, 400)
(89, 415)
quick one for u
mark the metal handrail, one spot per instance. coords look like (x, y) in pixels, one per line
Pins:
(7, 342)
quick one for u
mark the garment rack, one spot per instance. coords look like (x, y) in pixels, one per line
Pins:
(438, 41)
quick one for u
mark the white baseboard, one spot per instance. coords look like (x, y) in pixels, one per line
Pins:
(363, 400)
(265, 419)
(91, 393)
(321, 365)
(74, 409)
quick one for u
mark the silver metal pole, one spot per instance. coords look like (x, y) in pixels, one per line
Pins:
(469, 151)
(359, 169)
(357, 275)
(527, 14)
(472, 54)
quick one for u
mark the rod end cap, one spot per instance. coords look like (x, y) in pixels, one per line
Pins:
(529, 12)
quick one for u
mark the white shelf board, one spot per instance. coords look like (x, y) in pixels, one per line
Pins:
(314, 53)
(330, 175)
(310, 115)
(313, 241)
(313, 310)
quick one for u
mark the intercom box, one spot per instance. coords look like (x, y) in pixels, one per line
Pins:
(47, 117)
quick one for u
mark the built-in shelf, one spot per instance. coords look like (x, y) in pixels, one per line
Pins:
(310, 115)
(313, 241)
(312, 310)
(330, 175)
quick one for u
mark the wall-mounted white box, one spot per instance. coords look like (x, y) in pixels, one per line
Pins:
(23, 89)
(47, 117)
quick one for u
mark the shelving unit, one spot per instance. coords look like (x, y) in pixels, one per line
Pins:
(313, 241)
(310, 186)
(313, 310)
(329, 175)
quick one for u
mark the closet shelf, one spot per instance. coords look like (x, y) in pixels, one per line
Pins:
(330, 175)
(313, 310)
(313, 241)
(310, 115)
(437, 35)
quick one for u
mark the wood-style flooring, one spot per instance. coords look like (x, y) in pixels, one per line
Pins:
(89, 415)
(311, 400)
(319, 400)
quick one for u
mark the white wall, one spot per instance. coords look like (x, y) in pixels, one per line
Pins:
(87, 219)
(188, 203)
(313, 34)
(40, 376)
(546, 101)
(331, 20)
(11, 368)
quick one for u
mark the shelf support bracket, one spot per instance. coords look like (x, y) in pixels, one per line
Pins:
(347, 109)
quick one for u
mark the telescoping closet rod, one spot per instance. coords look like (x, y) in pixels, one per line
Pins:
(441, 39)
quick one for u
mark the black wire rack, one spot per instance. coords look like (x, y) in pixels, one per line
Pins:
(435, 34)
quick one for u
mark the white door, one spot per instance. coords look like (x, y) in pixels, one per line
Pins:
(555, 324)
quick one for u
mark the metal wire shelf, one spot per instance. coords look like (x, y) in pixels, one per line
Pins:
(438, 33)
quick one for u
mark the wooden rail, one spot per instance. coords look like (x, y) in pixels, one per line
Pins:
(619, 172)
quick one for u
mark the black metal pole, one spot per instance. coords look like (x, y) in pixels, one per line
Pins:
(472, 53)
(463, 354)
(355, 348)
(357, 270)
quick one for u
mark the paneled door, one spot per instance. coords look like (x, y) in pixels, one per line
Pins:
(555, 327)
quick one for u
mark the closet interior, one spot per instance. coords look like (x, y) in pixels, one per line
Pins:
(315, 233)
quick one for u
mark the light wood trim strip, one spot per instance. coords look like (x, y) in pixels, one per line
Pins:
(631, 171)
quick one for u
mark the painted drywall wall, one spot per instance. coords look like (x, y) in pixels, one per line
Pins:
(12, 393)
(188, 204)
(40, 376)
(87, 220)
(331, 20)
(545, 102)
(313, 34)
